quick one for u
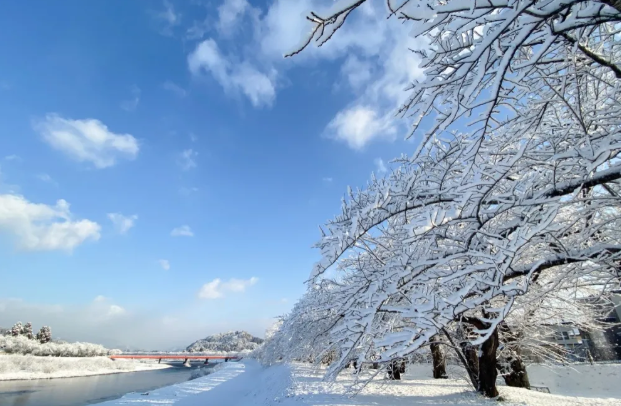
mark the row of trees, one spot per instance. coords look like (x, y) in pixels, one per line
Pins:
(21, 345)
(21, 340)
(505, 219)
(43, 336)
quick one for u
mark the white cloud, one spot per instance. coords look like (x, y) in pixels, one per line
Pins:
(87, 140)
(115, 325)
(122, 223)
(169, 18)
(193, 137)
(45, 178)
(206, 56)
(358, 125)
(175, 89)
(131, 104)
(183, 231)
(356, 72)
(233, 77)
(187, 159)
(115, 310)
(328, 179)
(13, 157)
(380, 166)
(165, 264)
(217, 289)
(102, 308)
(197, 30)
(229, 13)
(39, 227)
(239, 285)
(211, 290)
(378, 64)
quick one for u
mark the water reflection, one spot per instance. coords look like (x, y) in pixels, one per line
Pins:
(88, 390)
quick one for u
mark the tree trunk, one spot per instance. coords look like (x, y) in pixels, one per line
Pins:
(394, 372)
(439, 362)
(589, 356)
(512, 367)
(472, 362)
(460, 354)
(517, 375)
(487, 366)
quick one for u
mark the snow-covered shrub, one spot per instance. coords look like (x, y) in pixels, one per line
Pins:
(22, 345)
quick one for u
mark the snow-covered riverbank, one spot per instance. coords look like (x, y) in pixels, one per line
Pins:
(247, 383)
(13, 367)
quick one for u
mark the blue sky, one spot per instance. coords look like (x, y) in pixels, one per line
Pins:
(163, 169)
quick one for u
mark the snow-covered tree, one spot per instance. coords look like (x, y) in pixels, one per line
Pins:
(44, 335)
(516, 182)
(27, 331)
(303, 333)
(17, 329)
(231, 342)
(22, 345)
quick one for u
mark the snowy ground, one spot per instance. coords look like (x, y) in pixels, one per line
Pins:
(248, 384)
(14, 367)
(585, 380)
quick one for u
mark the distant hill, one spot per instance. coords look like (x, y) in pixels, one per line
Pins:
(233, 341)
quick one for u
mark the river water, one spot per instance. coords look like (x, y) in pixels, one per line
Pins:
(89, 389)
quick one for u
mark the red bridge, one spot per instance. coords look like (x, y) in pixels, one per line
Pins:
(186, 358)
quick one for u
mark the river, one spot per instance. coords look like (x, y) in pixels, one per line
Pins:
(89, 389)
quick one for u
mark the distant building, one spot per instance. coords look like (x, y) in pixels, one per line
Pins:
(579, 344)
(569, 339)
(606, 345)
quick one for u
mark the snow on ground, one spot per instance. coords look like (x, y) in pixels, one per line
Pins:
(14, 367)
(246, 383)
(194, 392)
(584, 380)
(418, 388)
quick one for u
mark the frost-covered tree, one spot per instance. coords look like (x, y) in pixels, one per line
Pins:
(27, 331)
(17, 329)
(44, 335)
(22, 345)
(515, 183)
(302, 335)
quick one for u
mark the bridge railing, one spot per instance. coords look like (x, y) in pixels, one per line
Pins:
(186, 358)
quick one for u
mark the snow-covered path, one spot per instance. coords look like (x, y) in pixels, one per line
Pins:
(248, 384)
(234, 384)
(175, 394)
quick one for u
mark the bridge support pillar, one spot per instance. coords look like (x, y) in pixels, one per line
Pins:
(159, 360)
(206, 360)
